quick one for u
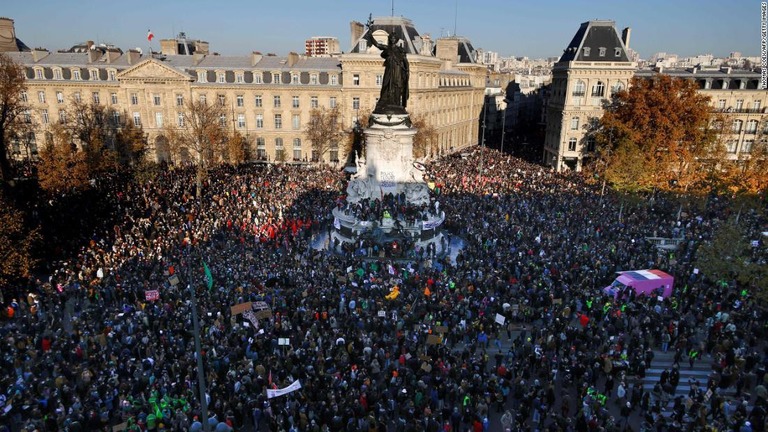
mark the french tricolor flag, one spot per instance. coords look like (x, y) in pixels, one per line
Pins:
(150, 35)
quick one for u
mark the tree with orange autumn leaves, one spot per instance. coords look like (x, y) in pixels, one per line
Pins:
(17, 239)
(657, 135)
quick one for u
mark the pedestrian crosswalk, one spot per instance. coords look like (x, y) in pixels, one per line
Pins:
(665, 361)
(697, 374)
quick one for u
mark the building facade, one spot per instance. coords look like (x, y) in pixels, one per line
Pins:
(735, 98)
(593, 67)
(268, 98)
(596, 65)
(321, 46)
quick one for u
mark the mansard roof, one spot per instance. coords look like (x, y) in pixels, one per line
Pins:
(596, 41)
(402, 27)
(181, 62)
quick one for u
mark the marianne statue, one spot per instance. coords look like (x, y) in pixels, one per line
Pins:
(394, 86)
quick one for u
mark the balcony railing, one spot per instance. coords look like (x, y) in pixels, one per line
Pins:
(742, 110)
(578, 94)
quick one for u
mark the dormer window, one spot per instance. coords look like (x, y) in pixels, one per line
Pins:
(313, 79)
(617, 52)
(76, 74)
(294, 78)
(112, 75)
(239, 78)
(38, 74)
(57, 74)
(602, 52)
(275, 78)
(222, 77)
(94, 74)
(586, 51)
(201, 75)
(257, 77)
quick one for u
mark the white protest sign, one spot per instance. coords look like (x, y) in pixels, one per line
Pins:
(283, 391)
(500, 319)
(250, 316)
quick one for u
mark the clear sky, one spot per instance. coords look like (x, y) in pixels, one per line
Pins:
(510, 27)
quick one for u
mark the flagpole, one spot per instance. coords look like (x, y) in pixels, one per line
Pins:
(198, 351)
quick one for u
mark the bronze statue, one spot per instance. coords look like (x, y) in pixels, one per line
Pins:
(394, 86)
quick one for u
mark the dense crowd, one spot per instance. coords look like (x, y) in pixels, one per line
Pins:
(376, 343)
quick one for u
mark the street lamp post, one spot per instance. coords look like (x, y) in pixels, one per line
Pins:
(482, 140)
(198, 351)
(503, 118)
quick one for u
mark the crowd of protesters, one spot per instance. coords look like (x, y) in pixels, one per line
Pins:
(379, 344)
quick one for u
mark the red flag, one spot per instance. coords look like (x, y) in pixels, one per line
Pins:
(150, 35)
(269, 380)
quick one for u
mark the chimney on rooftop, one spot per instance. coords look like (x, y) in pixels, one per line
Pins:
(625, 36)
(39, 54)
(133, 57)
(356, 32)
(255, 58)
(292, 58)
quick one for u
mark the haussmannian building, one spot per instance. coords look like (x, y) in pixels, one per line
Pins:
(596, 64)
(268, 99)
(593, 67)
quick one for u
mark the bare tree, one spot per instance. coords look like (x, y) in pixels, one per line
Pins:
(324, 130)
(202, 133)
(425, 140)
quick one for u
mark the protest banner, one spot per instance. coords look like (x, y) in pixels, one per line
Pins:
(441, 329)
(500, 319)
(263, 314)
(250, 316)
(434, 339)
(240, 308)
(152, 295)
(261, 310)
(382, 313)
(283, 391)
(173, 280)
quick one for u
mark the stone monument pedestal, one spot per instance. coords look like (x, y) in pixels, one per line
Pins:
(388, 201)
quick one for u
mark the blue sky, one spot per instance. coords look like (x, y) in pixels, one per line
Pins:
(509, 27)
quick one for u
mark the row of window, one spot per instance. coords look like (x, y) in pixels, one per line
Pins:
(598, 90)
(93, 74)
(601, 51)
(573, 141)
(751, 126)
(314, 79)
(756, 105)
(157, 99)
(731, 146)
(95, 96)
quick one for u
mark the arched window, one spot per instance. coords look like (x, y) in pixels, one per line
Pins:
(598, 90)
(619, 86)
(737, 126)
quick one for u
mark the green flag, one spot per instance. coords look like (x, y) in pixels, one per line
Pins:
(208, 276)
